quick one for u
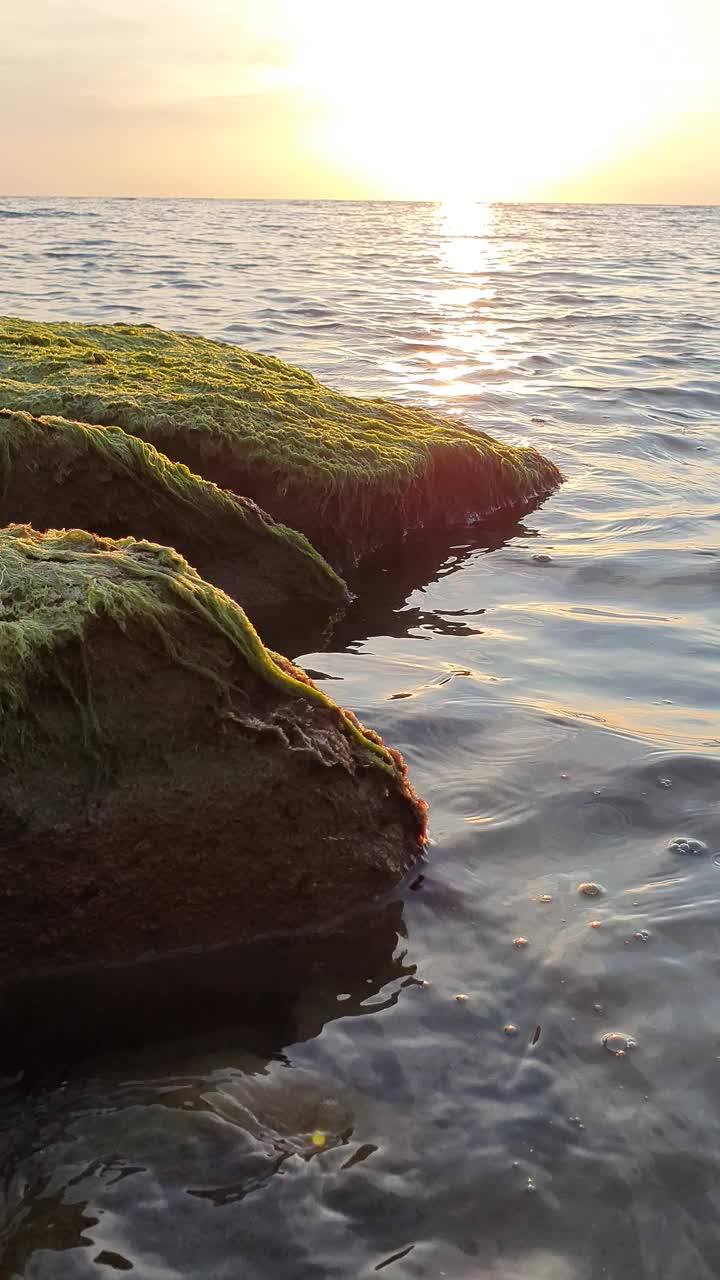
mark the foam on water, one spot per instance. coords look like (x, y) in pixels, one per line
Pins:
(554, 687)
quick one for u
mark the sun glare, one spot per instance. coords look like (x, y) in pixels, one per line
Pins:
(476, 101)
(467, 227)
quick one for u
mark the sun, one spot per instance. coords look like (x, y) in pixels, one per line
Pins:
(475, 100)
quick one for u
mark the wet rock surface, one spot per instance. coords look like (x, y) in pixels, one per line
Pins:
(352, 474)
(166, 781)
(57, 474)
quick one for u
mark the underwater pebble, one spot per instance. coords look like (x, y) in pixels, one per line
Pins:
(590, 890)
(541, 559)
(530, 1185)
(687, 847)
(576, 1121)
(664, 782)
(510, 1029)
(596, 924)
(617, 1043)
(460, 998)
(546, 897)
(598, 1008)
(642, 935)
(520, 942)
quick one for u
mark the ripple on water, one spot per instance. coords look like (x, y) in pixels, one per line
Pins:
(559, 711)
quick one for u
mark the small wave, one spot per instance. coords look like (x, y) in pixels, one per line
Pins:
(47, 213)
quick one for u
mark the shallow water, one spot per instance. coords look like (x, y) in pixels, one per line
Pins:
(554, 688)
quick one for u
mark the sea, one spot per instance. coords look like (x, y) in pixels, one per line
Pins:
(554, 685)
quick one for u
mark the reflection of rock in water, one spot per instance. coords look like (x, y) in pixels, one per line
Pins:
(284, 989)
(384, 582)
(206, 1120)
(167, 1128)
(42, 1218)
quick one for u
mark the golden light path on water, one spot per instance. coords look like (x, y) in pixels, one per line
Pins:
(470, 252)
(475, 351)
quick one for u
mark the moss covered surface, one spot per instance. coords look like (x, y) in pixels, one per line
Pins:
(352, 474)
(165, 780)
(60, 474)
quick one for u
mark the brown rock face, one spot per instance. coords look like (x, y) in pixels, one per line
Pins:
(354, 475)
(57, 474)
(165, 781)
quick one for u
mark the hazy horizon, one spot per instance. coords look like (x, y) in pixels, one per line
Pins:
(305, 99)
(365, 200)
(610, 204)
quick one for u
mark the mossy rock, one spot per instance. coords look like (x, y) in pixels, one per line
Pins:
(352, 474)
(60, 474)
(165, 780)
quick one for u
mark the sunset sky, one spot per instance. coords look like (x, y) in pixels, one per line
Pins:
(471, 99)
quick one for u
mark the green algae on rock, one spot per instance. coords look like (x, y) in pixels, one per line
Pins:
(352, 474)
(167, 781)
(60, 474)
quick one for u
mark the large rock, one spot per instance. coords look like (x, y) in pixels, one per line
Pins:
(352, 474)
(60, 474)
(165, 780)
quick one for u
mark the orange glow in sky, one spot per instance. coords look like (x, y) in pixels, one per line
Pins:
(459, 99)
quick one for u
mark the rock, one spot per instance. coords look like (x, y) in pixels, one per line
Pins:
(166, 781)
(352, 474)
(60, 474)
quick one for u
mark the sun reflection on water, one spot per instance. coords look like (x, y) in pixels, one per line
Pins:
(472, 349)
(467, 228)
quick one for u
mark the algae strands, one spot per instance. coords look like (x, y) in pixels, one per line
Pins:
(352, 474)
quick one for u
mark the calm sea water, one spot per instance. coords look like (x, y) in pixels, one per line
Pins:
(554, 687)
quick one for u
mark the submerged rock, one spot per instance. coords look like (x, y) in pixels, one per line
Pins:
(352, 474)
(165, 780)
(60, 474)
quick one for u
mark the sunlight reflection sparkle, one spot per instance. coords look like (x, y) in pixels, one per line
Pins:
(469, 249)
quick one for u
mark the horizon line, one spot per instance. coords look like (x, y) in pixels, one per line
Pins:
(437, 200)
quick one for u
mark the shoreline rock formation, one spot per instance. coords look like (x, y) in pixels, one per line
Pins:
(351, 474)
(167, 782)
(56, 474)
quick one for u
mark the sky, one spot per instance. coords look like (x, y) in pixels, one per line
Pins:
(379, 99)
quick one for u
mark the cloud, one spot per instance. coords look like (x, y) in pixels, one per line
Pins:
(148, 95)
(63, 51)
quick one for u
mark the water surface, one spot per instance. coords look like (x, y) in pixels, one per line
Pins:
(554, 687)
